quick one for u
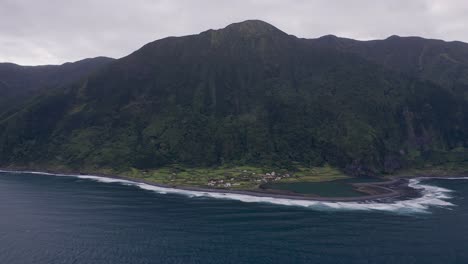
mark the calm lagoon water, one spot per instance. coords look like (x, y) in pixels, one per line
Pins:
(340, 188)
(48, 219)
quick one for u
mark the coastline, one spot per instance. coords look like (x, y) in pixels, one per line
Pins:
(391, 189)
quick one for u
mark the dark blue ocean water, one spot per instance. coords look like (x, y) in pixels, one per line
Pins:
(47, 219)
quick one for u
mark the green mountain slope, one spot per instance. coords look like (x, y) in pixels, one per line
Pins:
(249, 94)
(444, 63)
(20, 83)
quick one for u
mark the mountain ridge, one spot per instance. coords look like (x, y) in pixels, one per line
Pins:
(20, 83)
(249, 94)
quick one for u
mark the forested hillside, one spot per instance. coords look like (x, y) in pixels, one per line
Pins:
(20, 83)
(252, 94)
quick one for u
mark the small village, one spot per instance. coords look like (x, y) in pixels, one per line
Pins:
(245, 177)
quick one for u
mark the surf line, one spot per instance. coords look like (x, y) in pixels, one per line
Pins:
(432, 196)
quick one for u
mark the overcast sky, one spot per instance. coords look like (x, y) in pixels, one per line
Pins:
(55, 31)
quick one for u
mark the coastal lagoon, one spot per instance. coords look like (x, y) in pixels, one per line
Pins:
(336, 188)
(87, 219)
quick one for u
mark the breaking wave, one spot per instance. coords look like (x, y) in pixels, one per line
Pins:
(432, 196)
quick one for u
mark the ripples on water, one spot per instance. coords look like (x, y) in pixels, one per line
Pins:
(46, 219)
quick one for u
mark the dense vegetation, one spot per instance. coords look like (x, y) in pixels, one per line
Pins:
(245, 94)
(20, 83)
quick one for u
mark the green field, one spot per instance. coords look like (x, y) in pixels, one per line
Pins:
(239, 177)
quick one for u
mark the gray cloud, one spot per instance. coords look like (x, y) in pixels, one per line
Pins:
(55, 31)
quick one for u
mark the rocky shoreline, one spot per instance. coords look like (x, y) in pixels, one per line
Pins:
(391, 189)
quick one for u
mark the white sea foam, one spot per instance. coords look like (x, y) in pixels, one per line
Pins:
(432, 196)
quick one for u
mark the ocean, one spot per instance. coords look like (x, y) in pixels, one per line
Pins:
(88, 219)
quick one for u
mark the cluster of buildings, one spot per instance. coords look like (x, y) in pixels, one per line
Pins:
(273, 177)
(259, 178)
(222, 183)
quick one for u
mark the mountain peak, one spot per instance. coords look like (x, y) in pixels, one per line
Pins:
(394, 37)
(253, 27)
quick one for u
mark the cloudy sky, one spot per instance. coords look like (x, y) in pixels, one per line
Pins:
(55, 31)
